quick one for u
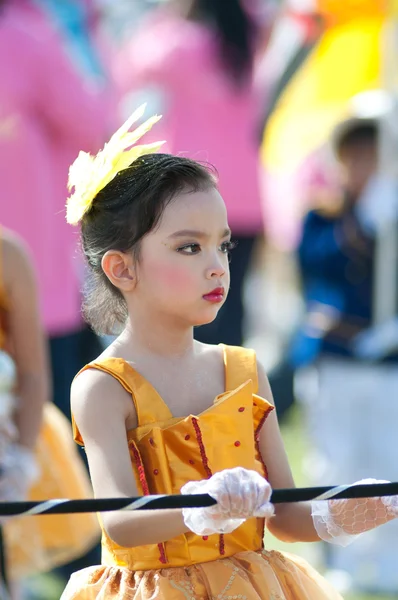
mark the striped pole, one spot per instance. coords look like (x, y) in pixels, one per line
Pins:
(165, 502)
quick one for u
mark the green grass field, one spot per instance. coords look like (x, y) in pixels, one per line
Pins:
(48, 588)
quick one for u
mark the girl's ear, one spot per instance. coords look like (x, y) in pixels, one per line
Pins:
(119, 268)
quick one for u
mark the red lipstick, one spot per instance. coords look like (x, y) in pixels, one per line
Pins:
(216, 296)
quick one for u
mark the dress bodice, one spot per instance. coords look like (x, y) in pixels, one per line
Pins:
(167, 452)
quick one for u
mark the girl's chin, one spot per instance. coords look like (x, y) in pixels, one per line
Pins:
(205, 319)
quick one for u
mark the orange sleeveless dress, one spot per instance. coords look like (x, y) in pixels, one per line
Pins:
(167, 452)
(36, 544)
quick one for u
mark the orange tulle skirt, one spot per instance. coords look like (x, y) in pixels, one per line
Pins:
(263, 575)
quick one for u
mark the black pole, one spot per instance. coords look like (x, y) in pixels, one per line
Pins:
(3, 561)
(180, 501)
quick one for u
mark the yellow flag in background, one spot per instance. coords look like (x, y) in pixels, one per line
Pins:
(393, 8)
(345, 10)
(345, 62)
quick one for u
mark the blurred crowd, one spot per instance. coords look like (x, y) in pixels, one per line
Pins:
(303, 136)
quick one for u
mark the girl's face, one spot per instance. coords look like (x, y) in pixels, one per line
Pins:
(183, 270)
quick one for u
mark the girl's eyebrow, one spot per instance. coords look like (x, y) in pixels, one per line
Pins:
(196, 234)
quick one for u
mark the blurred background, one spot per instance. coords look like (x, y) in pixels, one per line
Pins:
(295, 103)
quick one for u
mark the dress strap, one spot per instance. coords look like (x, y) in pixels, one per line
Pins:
(240, 366)
(149, 406)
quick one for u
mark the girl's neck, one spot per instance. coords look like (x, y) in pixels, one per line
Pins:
(158, 339)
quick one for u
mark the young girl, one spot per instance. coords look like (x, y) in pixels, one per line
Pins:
(155, 234)
(37, 459)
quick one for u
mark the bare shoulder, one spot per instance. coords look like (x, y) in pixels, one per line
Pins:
(264, 388)
(100, 407)
(97, 397)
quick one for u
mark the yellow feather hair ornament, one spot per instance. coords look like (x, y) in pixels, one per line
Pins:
(88, 175)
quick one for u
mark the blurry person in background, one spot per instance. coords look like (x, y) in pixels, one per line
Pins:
(37, 456)
(80, 24)
(351, 402)
(194, 62)
(48, 112)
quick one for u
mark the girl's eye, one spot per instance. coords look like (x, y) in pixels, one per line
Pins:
(227, 247)
(189, 249)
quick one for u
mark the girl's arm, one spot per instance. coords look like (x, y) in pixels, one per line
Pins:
(338, 521)
(292, 522)
(102, 409)
(26, 339)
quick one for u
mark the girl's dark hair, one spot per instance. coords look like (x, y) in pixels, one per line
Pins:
(124, 211)
(236, 32)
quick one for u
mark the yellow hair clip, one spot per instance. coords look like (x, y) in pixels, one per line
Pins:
(88, 175)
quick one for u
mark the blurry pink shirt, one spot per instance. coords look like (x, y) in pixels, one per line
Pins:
(206, 116)
(46, 116)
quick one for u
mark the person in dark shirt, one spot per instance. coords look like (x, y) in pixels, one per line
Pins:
(352, 407)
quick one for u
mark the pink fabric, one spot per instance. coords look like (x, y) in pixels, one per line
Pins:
(205, 116)
(47, 116)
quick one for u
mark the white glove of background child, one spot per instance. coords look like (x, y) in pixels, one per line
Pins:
(8, 431)
(240, 494)
(8, 435)
(18, 472)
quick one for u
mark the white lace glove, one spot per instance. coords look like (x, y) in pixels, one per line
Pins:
(18, 472)
(340, 522)
(240, 494)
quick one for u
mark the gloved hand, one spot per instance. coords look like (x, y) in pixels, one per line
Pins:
(240, 494)
(18, 472)
(340, 522)
(8, 431)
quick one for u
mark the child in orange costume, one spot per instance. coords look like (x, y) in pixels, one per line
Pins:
(37, 459)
